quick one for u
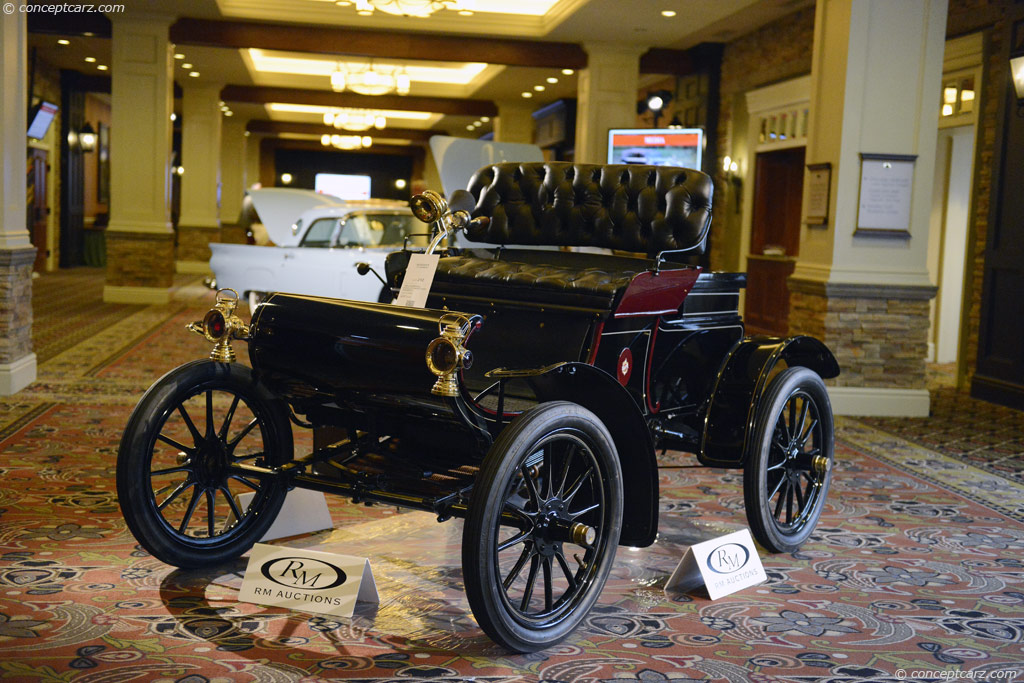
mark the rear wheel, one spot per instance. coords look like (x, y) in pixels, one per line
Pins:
(543, 526)
(789, 468)
(180, 481)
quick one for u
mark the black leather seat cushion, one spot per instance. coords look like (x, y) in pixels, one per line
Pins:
(645, 209)
(587, 287)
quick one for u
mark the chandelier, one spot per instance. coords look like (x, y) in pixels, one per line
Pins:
(371, 80)
(355, 119)
(346, 141)
(412, 8)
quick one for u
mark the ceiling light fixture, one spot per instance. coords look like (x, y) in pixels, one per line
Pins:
(178, 55)
(371, 80)
(668, 13)
(186, 65)
(552, 79)
(193, 74)
(567, 72)
(102, 67)
(346, 141)
(90, 60)
(355, 119)
(63, 41)
(413, 8)
(527, 95)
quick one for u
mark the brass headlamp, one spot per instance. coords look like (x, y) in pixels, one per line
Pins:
(446, 355)
(220, 325)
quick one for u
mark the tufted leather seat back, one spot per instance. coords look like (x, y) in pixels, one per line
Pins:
(645, 209)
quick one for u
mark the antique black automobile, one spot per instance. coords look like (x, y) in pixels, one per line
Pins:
(529, 396)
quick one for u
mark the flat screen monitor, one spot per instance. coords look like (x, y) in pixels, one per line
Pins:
(39, 119)
(656, 146)
(344, 186)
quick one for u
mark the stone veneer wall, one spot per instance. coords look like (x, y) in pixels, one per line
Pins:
(775, 52)
(194, 242)
(15, 303)
(138, 259)
(879, 335)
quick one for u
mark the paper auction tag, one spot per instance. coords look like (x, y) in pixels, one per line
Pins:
(307, 580)
(724, 565)
(418, 278)
(303, 512)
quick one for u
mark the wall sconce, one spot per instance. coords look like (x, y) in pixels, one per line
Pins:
(1017, 72)
(87, 138)
(730, 168)
(655, 103)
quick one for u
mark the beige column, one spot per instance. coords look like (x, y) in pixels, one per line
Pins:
(875, 84)
(606, 94)
(199, 223)
(17, 362)
(232, 178)
(252, 159)
(140, 239)
(514, 122)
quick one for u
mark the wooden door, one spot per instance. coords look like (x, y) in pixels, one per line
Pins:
(38, 211)
(774, 239)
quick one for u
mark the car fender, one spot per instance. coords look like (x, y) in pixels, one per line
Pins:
(739, 384)
(601, 394)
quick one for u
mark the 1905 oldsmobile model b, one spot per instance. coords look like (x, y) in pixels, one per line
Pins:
(529, 396)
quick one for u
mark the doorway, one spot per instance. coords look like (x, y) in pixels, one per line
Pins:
(38, 212)
(774, 239)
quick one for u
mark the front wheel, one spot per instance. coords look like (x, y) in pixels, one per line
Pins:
(180, 476)
(789, 466)
(542, 527)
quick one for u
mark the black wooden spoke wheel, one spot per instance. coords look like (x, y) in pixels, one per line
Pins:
(789, 466)
(543, 526)
(180, 481)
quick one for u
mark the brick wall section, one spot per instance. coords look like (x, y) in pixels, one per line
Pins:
(140, 259)
(233, 234)
(880, 340)
(16, 303)
(775, 52)
(194, 243)
(968, 16)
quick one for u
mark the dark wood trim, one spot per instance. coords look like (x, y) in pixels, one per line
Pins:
(278, 127)
(881, 156)
(331, 40)
(314, 146)
(994, 390)
(323, 98)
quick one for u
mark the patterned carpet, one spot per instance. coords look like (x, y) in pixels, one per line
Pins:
(914, 573)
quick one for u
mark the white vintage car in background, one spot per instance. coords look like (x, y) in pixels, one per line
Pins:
(316, 242)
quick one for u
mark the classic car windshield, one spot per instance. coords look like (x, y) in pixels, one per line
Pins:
(363, 230)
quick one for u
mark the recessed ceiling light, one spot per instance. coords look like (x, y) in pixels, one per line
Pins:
(364, 13)
(527, 95)
(568, 72)
(88, 34)
(668, 12)
(102, 67)
(246, 133)
(485, 119)
(552, 79)
(477, 124)
(178, 55)
(229, 113)
(63, 41)
(470, 127)
(174, 117)
(186, 65)
(90, 59)
(193, 74)
(539, 88)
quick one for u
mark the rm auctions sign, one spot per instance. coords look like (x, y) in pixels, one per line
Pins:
(723, 565)
(307, 580)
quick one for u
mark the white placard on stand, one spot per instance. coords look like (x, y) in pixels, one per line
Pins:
(303, 512)
(418, 278)
(307, 580)
(723, 565)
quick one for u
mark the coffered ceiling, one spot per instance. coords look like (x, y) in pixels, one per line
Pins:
(279, 54)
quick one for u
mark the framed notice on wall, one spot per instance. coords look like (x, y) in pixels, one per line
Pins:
(819, 185)
(886, 187)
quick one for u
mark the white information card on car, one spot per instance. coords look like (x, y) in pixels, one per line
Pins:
(418, 278)
(723, 565)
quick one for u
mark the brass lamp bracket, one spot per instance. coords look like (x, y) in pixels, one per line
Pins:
(446, 354)
(220, 326)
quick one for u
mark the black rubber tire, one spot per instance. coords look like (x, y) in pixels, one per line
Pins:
(512, 471)
(202, 464)
(794, 425)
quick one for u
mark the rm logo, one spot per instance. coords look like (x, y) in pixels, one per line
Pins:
(728, 558)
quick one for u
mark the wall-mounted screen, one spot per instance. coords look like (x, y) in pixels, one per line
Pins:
(656, 146)
(40, 118)
(342, 185)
